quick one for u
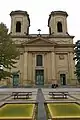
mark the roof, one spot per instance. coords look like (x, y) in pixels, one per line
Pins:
(18, 12)
(59, 13)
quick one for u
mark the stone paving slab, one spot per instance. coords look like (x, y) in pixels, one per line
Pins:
(20, 101)
(48, 98)
(61, 89)
(72, 101)
(10, 90)
(1, 103)
(4, 97)
(31, 98)
(75, 92)
(76, 96)
(5, 94)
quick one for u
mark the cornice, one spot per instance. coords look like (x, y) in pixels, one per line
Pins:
(46, 36)
(17, 12)
(38, 45)
(65, 45)
(47, 45)
(64, 13)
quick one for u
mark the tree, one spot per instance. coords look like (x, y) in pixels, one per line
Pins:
(77, 58)
(8, 52)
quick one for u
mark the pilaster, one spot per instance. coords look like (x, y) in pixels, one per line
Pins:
(21, 67)
(45, 69)
(33, 69)
(25, 67)
(53, 67)
(71, 66)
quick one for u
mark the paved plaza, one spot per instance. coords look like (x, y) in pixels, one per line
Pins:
(39, 95)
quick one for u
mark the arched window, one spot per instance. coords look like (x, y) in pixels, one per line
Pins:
(18, 26)
(59, 27)
(39, 60)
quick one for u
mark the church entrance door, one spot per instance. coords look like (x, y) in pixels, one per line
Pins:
(39, 77)
(63, 79)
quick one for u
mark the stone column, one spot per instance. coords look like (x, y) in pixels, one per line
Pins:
(25, 67)
(53, 66)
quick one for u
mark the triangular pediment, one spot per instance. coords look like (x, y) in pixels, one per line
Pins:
(40, 41)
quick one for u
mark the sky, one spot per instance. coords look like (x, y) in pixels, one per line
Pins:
(39, 11)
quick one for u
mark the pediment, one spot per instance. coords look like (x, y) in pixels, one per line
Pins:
(40, 41)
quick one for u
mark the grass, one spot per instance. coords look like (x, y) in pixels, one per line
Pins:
(64, 109)
(17, 110)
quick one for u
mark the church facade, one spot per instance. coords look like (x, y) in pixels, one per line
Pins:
(44, 58)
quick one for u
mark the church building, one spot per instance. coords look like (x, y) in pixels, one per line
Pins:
(44, 58)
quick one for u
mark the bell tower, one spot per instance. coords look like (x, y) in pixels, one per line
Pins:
(57, 22)
(20, 22)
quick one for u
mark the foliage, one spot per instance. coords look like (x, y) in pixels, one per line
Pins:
(8, 52)
(77, 58)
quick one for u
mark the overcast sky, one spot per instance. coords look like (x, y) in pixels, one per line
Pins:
(39, 11)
